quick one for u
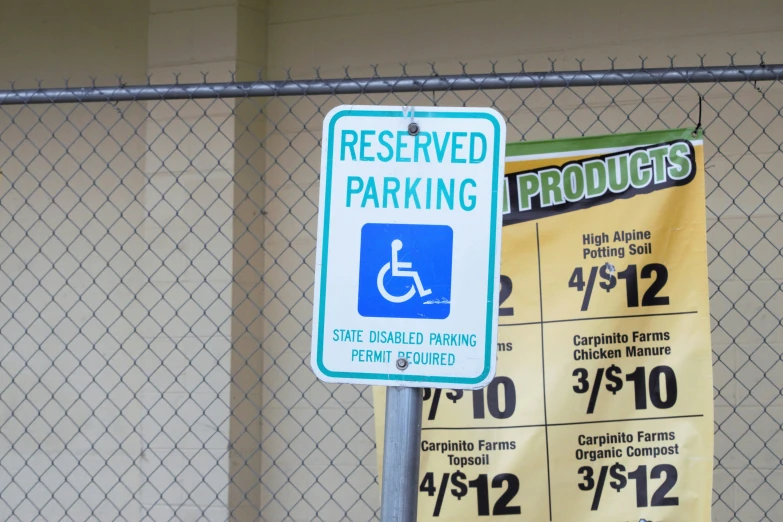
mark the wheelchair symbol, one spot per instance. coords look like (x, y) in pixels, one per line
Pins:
(395, 265)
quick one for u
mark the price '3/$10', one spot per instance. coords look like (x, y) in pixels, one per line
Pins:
(661, 387)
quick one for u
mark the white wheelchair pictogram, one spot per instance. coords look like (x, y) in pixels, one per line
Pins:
(395, 265)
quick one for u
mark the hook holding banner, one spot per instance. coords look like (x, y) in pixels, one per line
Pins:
(698, 123)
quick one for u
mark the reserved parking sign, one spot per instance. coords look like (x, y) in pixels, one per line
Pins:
(407, 262)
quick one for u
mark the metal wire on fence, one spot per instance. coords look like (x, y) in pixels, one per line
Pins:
(156, 254)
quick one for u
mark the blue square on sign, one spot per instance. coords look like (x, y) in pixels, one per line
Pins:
(405, 271)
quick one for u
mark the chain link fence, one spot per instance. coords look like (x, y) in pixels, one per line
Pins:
(156, 272)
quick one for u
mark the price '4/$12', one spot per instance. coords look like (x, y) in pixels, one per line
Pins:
(503, 505)
(609, 277)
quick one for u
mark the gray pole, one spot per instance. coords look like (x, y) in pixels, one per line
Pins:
(402, 437)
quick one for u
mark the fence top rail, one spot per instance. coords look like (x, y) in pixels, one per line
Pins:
(402, 84)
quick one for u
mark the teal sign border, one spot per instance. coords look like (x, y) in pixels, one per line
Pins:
(492, 238)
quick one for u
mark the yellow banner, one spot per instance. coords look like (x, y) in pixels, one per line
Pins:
(601, 409)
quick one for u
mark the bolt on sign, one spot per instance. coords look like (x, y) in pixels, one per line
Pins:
(408, 254)
(601, 407)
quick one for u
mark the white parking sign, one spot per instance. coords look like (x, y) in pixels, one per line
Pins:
(408, 255)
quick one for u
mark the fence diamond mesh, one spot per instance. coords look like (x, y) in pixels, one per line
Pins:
(156, 272)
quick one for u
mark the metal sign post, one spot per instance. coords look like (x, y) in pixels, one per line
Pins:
(402, 437)
(407, 265)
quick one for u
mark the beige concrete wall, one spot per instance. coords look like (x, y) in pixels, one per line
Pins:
(68, 214)
(69, 244)
(52, 40)
(189, 198)
(249, 293)
(309, 33)
(124, 216)
(211, 208)
(204, 198)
